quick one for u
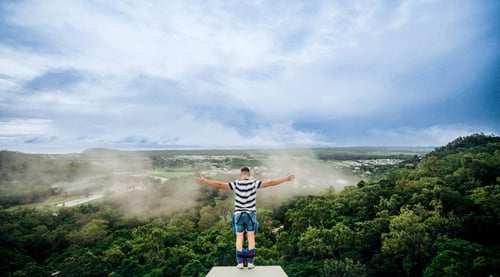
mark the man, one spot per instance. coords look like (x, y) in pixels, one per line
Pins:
(244, 215)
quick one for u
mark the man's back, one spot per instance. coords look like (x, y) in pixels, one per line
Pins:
(245, 194)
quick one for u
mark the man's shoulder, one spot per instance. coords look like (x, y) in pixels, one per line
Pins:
(248, 181)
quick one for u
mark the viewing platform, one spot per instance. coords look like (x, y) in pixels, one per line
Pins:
(258, 271)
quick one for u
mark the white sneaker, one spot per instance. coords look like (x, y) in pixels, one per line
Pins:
(240, 266)
(251, 266)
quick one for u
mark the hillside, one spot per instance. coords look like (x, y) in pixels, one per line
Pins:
(439, 217)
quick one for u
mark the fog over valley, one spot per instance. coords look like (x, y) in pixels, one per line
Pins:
(134, 178)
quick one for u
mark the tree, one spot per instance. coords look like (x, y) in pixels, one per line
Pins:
(343, 268)
(130, 267)
(488, 199)
(91, 233)
(325, 243)
(458, 257)
(148, 244)
(224, 209)
(367, 235)
(208, 217)
(193, 269)
(113, 256)
(317, 243)
(222, 254)
(412, 234)
(81, 262)
(267, 225)
(312, 211)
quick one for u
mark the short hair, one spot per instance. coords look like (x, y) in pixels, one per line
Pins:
(245, 169)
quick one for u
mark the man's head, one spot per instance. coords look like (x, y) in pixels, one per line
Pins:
(244, 172)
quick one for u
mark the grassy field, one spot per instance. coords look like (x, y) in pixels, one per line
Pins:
(173, 173)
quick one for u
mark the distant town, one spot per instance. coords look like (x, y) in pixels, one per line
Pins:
(99, 173)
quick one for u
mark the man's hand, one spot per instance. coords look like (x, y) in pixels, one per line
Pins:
(201, 180)
(289, 177)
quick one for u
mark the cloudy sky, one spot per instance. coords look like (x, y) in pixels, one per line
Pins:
(231, 74)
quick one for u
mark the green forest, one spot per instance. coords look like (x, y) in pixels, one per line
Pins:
(440, 217)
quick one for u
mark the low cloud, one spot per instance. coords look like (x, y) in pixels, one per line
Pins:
(311, 176)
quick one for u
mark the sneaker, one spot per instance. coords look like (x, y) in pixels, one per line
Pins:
(240, 266)
(251, 266)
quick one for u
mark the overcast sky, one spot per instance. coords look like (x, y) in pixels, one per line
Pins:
(232, 74)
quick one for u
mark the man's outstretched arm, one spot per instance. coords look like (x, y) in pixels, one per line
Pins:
(288, 177)
(217, 184)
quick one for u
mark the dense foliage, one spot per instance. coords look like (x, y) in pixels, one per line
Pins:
(439, 218)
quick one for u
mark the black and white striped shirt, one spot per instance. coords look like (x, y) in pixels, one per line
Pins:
(245, 192)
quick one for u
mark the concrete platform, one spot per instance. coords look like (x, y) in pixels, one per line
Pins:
(260, 271)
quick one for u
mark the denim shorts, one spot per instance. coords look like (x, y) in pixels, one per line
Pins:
(244, 221)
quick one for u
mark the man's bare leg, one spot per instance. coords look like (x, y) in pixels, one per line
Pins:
(251, 249)
(251, 240)
(239, 241)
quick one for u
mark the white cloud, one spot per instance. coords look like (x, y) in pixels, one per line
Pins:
(21, 65)
(32, 126)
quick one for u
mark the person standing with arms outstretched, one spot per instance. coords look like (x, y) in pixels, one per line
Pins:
(244, 216)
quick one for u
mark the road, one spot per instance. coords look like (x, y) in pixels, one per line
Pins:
(79, 201)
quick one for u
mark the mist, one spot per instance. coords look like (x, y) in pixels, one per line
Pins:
(124, 179)
(136, 193)
(159, 199)
(155, 198)
(312, 176)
